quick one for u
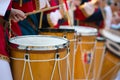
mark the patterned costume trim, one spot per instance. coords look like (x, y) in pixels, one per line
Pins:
(37, 4)
(2, 57)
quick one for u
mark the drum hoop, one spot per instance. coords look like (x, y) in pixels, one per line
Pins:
(42, 48)
(57, 30)
(87, 34)
(107, 34)
(92, 33)
(109, 45)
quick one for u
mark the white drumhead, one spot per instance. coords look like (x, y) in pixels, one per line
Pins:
(67, 27)
(86, 31)
(39, 42)
(111, 36)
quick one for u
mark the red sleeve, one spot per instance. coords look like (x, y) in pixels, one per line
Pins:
(53, 3)
(26, 7)
(78, 14)
(16, 29)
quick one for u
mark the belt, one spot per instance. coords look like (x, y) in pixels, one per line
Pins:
(2, 57)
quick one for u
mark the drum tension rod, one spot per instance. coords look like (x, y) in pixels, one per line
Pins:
(57, 54)
(64, 35)
(79, 37)
(26, 56)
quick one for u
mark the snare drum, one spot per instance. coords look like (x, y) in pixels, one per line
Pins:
(39, 57)
(111, 62)
(66, 32)
(85, 52)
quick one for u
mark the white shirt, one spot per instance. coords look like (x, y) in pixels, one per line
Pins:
(108, 16)
(3, 6)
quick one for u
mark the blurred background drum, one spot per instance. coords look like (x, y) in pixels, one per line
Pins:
(39, 57)
(84, 58)
(111, 62)
(68, 33)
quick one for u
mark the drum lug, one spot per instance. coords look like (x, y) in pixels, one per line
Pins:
(26, 57)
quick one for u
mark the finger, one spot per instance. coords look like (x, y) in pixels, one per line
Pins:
(21, 15)
(15, 18)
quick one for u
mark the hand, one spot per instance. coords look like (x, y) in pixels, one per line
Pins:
(95, 1)
(76, 2)
(17, 15)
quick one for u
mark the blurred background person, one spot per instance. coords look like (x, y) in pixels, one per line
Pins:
(116, 20)
(111, 7)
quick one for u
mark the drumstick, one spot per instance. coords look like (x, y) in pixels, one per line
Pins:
(103, 13)
(64, 2)
(41, 16)
(96, 1)
(42, 10)
(21, 3)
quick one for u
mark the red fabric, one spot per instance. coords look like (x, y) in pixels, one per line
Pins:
(3, 47)
(16, 29)
(34, 6)
(52, 3)
(101, 27)
(3, 50)
(78, 14)
(26, 7)
(65, 23)
(56, 26)
(66, 5)
(10, 6)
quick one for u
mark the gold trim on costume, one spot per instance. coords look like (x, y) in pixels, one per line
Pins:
(21, 2)
(4, 58)
(37, 4)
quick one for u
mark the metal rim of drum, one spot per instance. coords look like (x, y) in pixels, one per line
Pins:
(53, 47)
